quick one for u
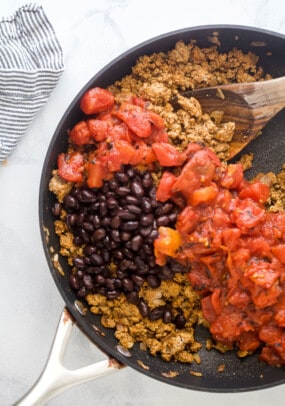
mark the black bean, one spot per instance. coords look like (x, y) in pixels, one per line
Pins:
(96, 221)
(116, 221)
(167, 316)
(105, 222)
(153, 281)
(82, 292)
(112, 203)
(87, 226)
(118, 254)
(106, 256)
(79, 262)
(162, 221)
(110, 284)
(71, 219)
(147, 249)
(179, 321)
(165, 273)
(123, 191)
(96, 259)
(134, 209)
(132, 297)
(136, 242)
(132, 200)
(99, 234)
(88, 282)
(172, 217)
(117, 283)
(113, 184)
(77, 240)
(70, 202)
(87, 196)
(115, 235)
(145, 231)
(143, 308)
(127, 215)
(156, 313)
(128, 284)
(147, 180)
(137, 189)
(89, 249)
(125, 236)
(122, 177)
(127, 253)
(80, 219)
(130, 225)
(103, 209)
(138, 280)
(74, 282)
(124, 264)
(146, 205)
(113, 294)
(113, 244)
(146, 219)
(131, 172)
(99, 280)
(164, 209)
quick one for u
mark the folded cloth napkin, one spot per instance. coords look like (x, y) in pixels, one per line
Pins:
(31, 63)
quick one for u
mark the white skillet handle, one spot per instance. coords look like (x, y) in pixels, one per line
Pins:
(55, 378)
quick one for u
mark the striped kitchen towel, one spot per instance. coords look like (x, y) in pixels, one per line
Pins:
(31, 63)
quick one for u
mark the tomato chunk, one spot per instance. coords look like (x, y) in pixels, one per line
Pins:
(167, 154)
(80, 134)
(96, 100)
(71, 166)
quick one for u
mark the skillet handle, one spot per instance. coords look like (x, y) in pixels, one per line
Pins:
(55, 378)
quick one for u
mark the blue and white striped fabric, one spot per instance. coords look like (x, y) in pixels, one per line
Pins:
(31, 63)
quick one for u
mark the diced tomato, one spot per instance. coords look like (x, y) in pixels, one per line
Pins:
(233, 176)
(231, 238)
(136, 119)
(247, 214)
(155, 119)
(204, 195)
(167, 244)
(279, 252)
(164, 188)
(187, 220)
(256, 191)
(262, 274)
(120, 132)
(96, 100)
(186, 183)
(99, 129)
(96, 173)
(125, 152)
(167, 154)
(80, 134)
(71, 166)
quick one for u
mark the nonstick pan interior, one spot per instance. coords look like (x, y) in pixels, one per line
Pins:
(238, 374)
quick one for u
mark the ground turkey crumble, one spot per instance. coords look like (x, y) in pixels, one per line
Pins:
(158, 78)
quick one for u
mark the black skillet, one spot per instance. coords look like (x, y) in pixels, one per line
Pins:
(269, 151)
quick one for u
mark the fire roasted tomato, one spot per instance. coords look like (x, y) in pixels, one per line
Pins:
(167, 154)
(256, 191)
(96, 100)
(136, 119)
(164, 189)
(167, 244)
(71, 166)
(80, 134)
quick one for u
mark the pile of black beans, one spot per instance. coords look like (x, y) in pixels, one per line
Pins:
(117, 225)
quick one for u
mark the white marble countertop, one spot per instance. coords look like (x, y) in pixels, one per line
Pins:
(92, 33)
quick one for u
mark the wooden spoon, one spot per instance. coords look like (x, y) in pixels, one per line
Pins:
(249, 105)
